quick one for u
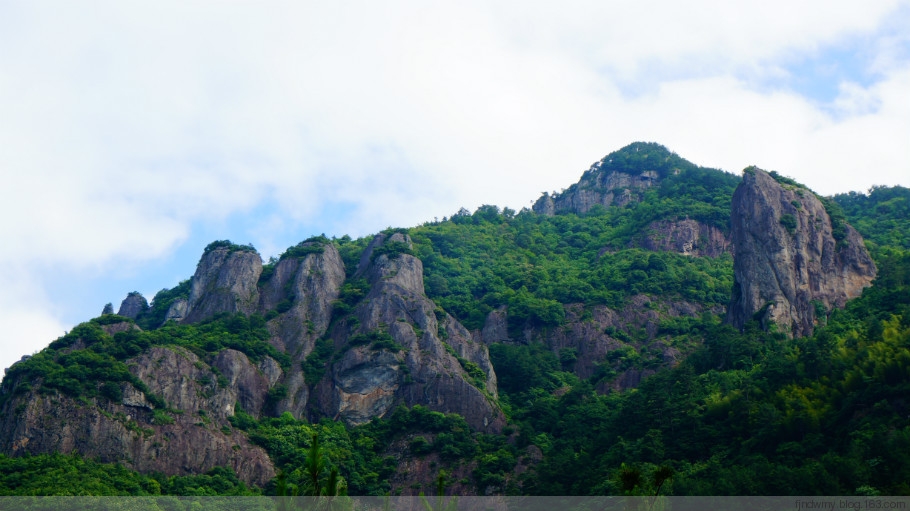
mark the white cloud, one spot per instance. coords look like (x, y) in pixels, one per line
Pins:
(126, 125)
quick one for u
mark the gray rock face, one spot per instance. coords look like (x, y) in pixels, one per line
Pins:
(177, 311)
(191, 442)
(247, 381)
(597, 187)
(495, 327)
(225, 281)
(307, 287)
(788, 266)
(369, 380)
(687, 237)
(132, 305)
(597, 331)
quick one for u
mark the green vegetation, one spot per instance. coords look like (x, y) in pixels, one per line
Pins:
(229, 245)
(747, 413)
(533, 264)
(361, 456)
(882, 216)
(314, 245)
(789, 222)
(391, 249)
(72, 475)
(640, 157)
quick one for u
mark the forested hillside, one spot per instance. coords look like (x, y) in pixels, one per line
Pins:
(614, 370)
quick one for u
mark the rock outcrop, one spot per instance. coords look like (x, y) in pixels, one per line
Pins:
(225, 281)
(133, 305)
(398, 347)
(177, 311)
(791, 265)
(618, 179)
(597, 187)
(591, 334)
(687, 237)
(302, 289)
(194, 440)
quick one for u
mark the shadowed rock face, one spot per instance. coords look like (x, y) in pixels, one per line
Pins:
(307, 286)
(368, 381)
(225, 281)
(132, 305)
(788, 266)
(127, 432)
(596, 331)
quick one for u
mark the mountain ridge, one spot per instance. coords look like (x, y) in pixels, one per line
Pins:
(466, 315)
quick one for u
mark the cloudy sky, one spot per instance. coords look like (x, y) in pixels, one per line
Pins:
(134, 133)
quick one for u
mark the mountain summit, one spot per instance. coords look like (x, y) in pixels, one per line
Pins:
(616, 180)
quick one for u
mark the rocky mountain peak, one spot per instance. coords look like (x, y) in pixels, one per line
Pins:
(133, 305)
(225, 281)
(619, 178)
(795, 260)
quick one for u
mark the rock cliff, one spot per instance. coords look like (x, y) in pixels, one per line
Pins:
(792, 262)
(302, 291)
(597, 187)
(225, 281)
(397, 347)
(191, 437)
(593, 337)
(687, 237)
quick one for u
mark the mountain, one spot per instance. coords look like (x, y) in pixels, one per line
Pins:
(616, 332)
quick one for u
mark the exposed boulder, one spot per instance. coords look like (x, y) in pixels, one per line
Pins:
(115, 328)
(248, 382)
(225, 281)
(791, 264)
(177, 311)
(133, 305)
(597, 187)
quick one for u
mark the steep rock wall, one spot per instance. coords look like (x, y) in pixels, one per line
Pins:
(367, 380)
(306, 288)
(225, 281)
(788, 266)
(687, 237)
(597, 188)
(192, 441)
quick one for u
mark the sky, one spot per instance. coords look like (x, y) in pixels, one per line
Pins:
(132, 134)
